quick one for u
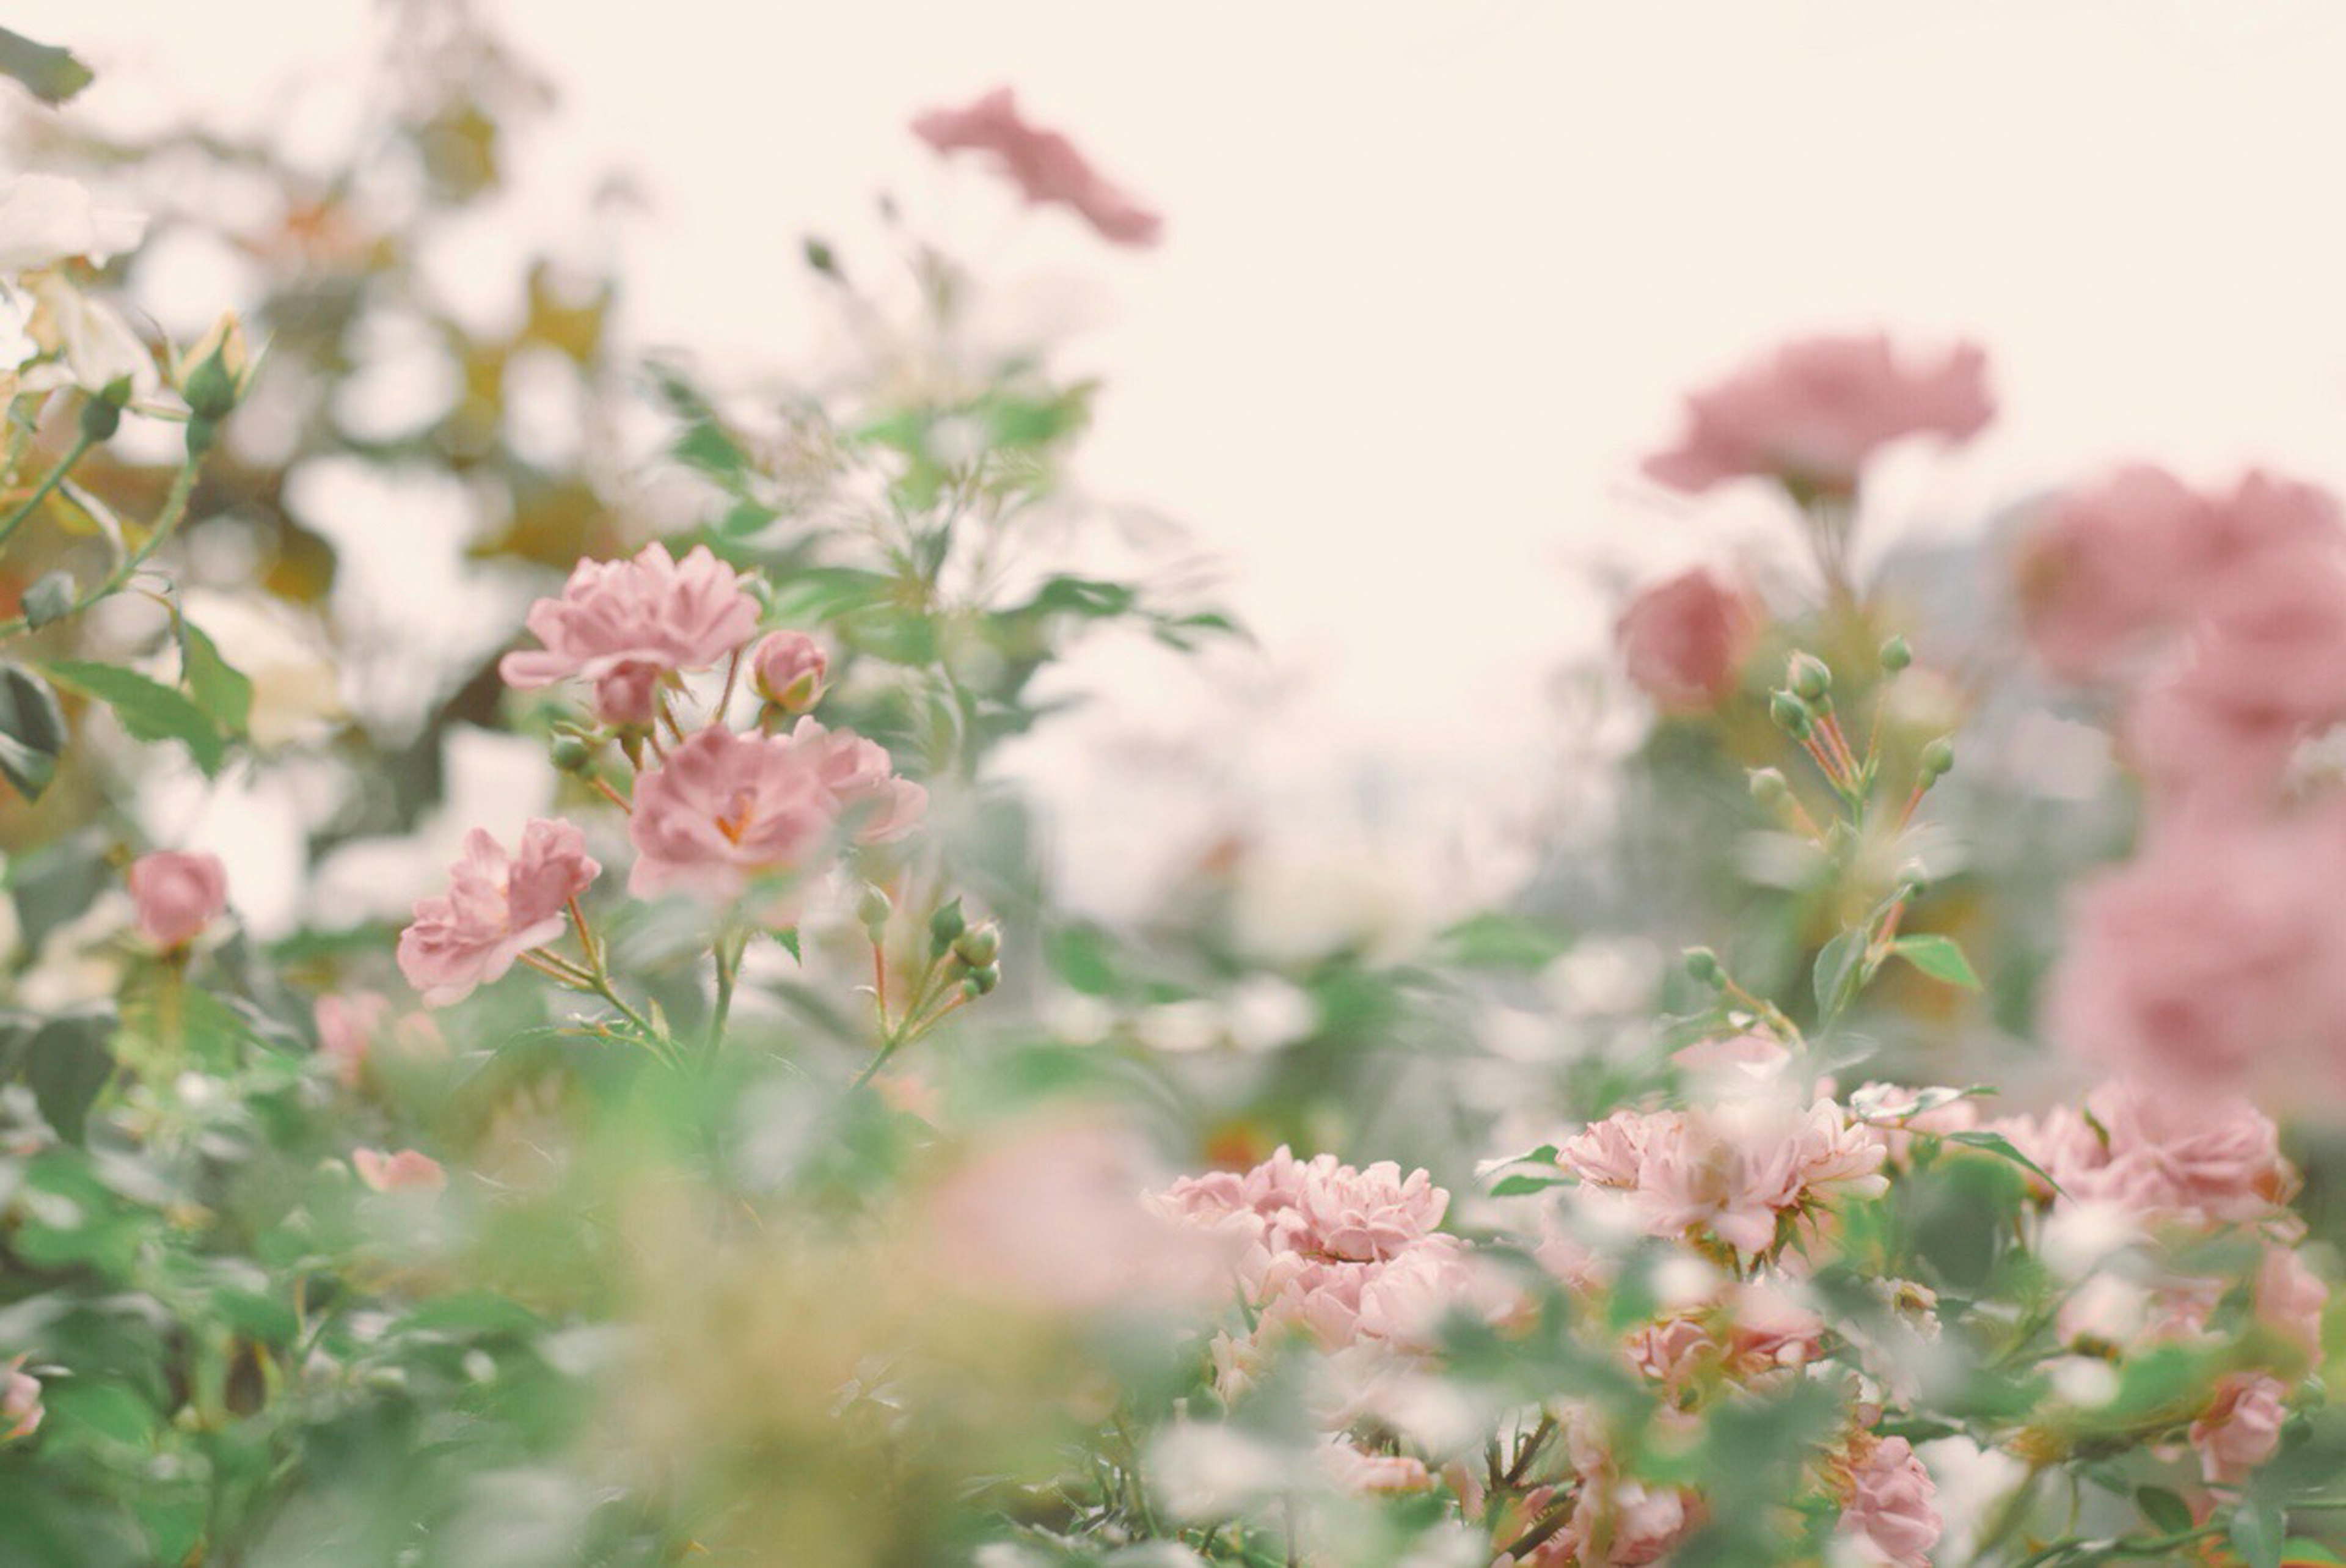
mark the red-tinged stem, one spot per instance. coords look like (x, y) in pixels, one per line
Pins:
(1912, 801)
(613, 796)
(880, 982)
(724, 699)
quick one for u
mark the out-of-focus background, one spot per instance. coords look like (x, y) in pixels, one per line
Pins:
(1433, 280)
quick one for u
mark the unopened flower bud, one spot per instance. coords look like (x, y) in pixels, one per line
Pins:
(1938, 759)
(50, 598)
(1809, 677)
(203, 434)
(946, 925)
(982, 980)
(101, 415)
(214, 374)
(978, 946)
(872, 910)
(1896, 656)
(1914, 881)
(1702, 965)
(788, 669)
(1791, 714)
(1768, 786)
(571, 753)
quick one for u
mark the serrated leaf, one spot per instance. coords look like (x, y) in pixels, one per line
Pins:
(1523, 1183)
(32, 731)
(1938, 957)
(148, 709)
(1543, 1156)
(219, 687)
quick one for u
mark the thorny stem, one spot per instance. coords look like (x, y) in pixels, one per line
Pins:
(613, 796)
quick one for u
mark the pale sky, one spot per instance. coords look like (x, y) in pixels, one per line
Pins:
(1434, 274)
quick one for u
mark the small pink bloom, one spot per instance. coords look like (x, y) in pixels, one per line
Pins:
(1611, 1153)
(725, 809)
(497, 907)
(1892, 1515)
(1366, 1475)
(1684, 640)
(20, 1402)
(2290, 1300)
(2240, 1429)
(405, 1171)
(1045, 165)
(178, 893)
(2113, 564)
(864, 790)
(1815, 411)
(627, 624)
(347, 1023)
(790, 670)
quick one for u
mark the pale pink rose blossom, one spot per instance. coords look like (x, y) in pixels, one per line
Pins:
(1892, 1517)
(404, 1171)
(2215, 957)
(627, 624)
(2240, 1428)
(725, 809)
(1043, 164)
(864, 789)
(1610, 1153)
(1813, 413)
(497, 907)
(1365, 1475)
(1684, 640)
(1616, 1519)
(20, 1401)
(2290, 1299)
(788, 669)
(348, 1022)
(2112, 565)
(178, 893)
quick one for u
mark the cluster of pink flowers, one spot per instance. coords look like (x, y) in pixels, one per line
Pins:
(1045, 165)
(1812, 414)
(720, 811)
(1891, 1516)
(1684, 640)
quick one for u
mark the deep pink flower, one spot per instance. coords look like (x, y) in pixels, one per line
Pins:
(405, 1171)
(724, 809)
(1812, 414)
(627, 624)
(1045, 165)
(178, 893)
(1684, 640)
(20, 1401)
(497, 907)
(1893, 1507)
(865, 792)
(790, 670)
(2240, 1428)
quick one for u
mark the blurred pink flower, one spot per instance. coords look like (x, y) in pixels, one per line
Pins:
(1892, 1517)
(1045, 165)
(178, 893)
(2110, 564)
(2240, 1428)
(405, 1171)
(1366, 1475)
(724, 809)
(20, 1401)
(348, 1022)
(1812, 414)
(2219, 955)
(2290, 1299)
(1684, 640)
(497, 907)
(627, 625)
(864, 790)
(788, 669)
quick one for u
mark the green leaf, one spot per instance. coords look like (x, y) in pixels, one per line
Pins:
(1997, 1143)
(1498, 941)
(32, 731)
(1839, 965)
(220, 688)
(1938, 957)
(50, 74)
(67, 1063)
(1522, 1183)
(2259, 1527)
(148, 709)
(2168, 1513)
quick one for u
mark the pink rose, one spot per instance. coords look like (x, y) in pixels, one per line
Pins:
(1045, 165)
(2111, 564)
(178, 893)
(1365, 1475)
(2219, 953)
(724, 809)
(863, 790)
(790, 670)
(627, 624)
(406, 1171)
(1892, 1517)
(1812, 414)
(2290, 1301)
(497, 907)
(347, 1026)
(20, 1402)
(1684, 640)
(2240, 1428)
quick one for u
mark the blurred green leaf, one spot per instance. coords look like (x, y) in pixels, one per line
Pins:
(1938, 957)
(32, 731)
(49, 73)
(222, 691)
(148, 709)
(67, 1063)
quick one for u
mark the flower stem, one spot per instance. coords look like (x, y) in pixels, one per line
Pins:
(50, 481)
